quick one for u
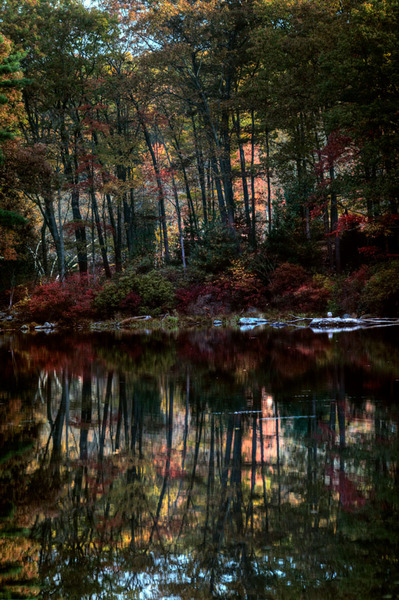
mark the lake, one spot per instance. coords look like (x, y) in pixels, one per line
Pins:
(200, 464)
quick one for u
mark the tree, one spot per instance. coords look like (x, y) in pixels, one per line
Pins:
(11, 81)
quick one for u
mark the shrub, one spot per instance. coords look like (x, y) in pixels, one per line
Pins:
(205, 299)
(131, 303)
(287, 278)
(381, 292)
(110, 296)
(311, 297)
(217, 248)
(156, 292)
(240, 288)
(291, 288)
(66, 301)
(135, 293)
(347, 292)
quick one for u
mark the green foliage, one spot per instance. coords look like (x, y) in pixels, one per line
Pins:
(346, 292)
(288, 240)
(316, 119)
(157, 293)
(381, 292)
(217, 247)
(107, 301)
(10, 218)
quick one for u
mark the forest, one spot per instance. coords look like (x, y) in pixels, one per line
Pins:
(198, 157)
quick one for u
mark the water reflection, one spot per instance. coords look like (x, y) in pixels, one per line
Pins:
(205, 464)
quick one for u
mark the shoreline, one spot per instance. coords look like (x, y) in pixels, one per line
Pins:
(167, 322)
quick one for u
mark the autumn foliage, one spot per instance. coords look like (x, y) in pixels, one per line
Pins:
(68, 301)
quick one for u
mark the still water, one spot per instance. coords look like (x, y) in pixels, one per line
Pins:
(202, 464)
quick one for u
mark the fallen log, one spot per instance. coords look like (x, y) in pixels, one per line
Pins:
(134, 320)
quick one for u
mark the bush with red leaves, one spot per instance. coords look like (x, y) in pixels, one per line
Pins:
(205, 299)
(292, 288)
(131, 303)
(65, 302)
(287, 278)
(351, 288)
(310, 297)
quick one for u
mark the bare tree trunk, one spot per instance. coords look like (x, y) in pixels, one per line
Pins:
(253, 198)
(269, 193)
(161, 194)
(101, 241)
(237, 126)
(334, 220)
(56, 234)
(201, 169)
(177, 206)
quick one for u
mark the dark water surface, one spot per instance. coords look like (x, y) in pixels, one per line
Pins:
(202, 464)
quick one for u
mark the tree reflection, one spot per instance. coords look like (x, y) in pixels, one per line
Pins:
(179, 477)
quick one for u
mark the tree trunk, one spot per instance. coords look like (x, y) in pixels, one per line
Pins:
(334, 221)
(237, 126)
(101, 242)
(201, 170)
(161, 194)
(253, 199)
(269, 193)
(49, 216)
(70, 164)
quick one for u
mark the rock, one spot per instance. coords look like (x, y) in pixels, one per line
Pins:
(247, 323)
(334, 324)
(252, 321)
(46, 327)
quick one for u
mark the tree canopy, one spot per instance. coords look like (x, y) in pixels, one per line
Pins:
(273, 123)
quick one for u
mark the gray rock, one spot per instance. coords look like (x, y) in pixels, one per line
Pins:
(334, 322)
(252, 321)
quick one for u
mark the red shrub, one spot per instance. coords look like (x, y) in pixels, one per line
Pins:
(291, 288)
(201, 299)
(287, 278)
(241, 289)
(351, 289)
(310, 298)
(66, 301)
(131, 303)
(236, 290)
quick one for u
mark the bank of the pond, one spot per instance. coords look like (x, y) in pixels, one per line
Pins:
(174, 322)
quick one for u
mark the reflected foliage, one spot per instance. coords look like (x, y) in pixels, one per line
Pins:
(206, 464)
